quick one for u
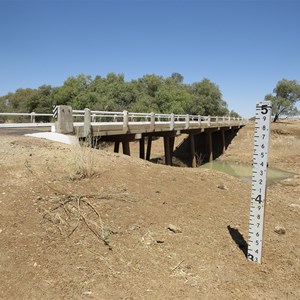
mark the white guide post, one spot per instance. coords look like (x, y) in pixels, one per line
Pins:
(259, 180)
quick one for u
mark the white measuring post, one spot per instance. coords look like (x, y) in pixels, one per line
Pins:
(259, 180)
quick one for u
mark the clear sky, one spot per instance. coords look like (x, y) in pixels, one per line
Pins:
(244, 46)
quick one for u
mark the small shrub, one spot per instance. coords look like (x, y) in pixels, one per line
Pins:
(83, 161)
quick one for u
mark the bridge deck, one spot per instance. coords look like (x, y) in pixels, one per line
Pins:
(118, 128)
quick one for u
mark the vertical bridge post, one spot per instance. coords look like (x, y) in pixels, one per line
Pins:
(125, 121)
(142, 147)
(209, 146)
(32, 117)
(223, 141)
(152, 121)
(192, 149)
(87, 122)
(167, 147)
(149, 144)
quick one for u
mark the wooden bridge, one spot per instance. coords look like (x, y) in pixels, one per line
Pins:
(208, 136)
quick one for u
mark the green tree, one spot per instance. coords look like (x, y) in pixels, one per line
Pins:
(207, 99)
(42, 101)
(72, 90)
(150, 84)
(287, 94)
(173, 96)
(4, 107)
(21, 100)
(177, 77)
(233, 114)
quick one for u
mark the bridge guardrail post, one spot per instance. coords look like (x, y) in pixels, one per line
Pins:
(187, 121)
(32, 117)
(152, 121)
(125, 121)
(199, 119)
(172, 122)
(208, 121)
(87, 122)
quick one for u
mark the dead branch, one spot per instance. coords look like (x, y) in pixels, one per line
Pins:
(177, 266)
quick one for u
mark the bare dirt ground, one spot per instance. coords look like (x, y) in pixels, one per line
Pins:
(90, 224)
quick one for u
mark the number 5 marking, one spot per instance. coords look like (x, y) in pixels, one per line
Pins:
(264, 109)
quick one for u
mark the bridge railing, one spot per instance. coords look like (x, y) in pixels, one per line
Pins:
(31, 117)
(127, 118)
(104, 116)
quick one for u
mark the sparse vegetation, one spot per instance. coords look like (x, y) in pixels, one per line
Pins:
(82, 161)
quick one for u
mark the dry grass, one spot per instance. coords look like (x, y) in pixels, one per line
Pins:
(83, 161)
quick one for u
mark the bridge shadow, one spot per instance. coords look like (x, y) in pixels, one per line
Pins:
(238, 239)
(183, 152)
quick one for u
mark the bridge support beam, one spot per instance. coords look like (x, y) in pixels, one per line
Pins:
(142, 147)
(209, 146)
(169, 141)
(192, 149)
(149, 144)
(126, 148)
(167, 147)
(223, 141)
(116, 147)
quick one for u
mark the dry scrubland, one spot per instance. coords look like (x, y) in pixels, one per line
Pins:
(90, 224)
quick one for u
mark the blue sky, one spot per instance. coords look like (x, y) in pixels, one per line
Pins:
(244, 46)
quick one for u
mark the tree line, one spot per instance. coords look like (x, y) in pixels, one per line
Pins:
(151, 93)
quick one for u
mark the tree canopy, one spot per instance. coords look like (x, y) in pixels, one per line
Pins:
(150, 93)
(286, 95)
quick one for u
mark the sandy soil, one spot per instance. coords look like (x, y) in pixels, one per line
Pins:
(90, 224)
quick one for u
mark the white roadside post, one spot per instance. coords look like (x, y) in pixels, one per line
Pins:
(259, 180)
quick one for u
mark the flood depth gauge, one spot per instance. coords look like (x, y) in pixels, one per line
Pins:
(259, 180)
